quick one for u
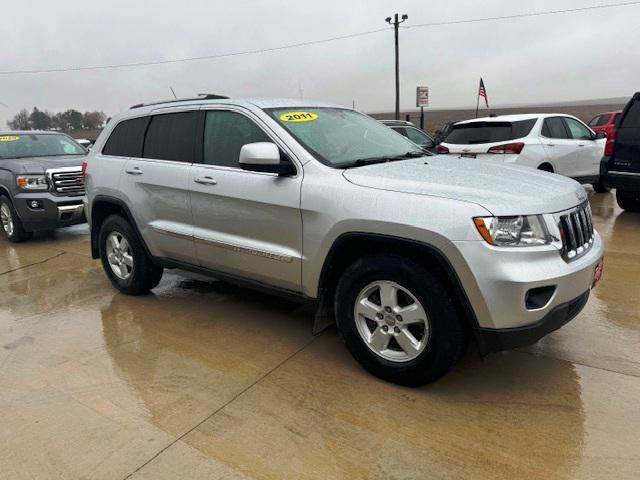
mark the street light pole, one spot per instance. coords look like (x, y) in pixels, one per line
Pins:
(396, 24)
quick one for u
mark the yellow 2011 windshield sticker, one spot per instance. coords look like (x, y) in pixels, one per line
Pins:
(297, 117)
(8, 138)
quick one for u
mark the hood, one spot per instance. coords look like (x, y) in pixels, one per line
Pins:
(501, 189)
(40, 164)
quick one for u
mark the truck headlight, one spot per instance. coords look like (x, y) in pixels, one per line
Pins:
(518, 231)
(32, 182)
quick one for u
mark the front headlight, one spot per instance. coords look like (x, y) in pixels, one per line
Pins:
(32, 182)
(520, 231)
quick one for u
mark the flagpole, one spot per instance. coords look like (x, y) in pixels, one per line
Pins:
(478, 104)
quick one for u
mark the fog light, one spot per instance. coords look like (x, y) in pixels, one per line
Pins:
(35, 204)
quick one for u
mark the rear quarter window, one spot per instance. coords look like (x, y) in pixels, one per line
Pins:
(126, 138)
(632, 118)
(489, 132)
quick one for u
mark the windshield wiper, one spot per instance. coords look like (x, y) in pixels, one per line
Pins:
(373, 160)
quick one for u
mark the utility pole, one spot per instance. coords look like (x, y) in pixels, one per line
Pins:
(396, 25)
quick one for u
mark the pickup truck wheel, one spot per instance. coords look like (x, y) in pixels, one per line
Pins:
(628, 200)
(11, 224)
(600, 187)
(124, 259)
(398, 320)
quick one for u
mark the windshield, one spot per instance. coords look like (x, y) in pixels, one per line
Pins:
(38, 145)
(342, 138)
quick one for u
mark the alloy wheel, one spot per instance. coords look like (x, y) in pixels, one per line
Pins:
(391, 321)
(7, 219)
(119, 255)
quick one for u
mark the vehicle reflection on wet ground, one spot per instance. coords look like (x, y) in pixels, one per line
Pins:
(202, 379)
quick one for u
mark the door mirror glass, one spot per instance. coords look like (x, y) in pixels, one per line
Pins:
(264, 157)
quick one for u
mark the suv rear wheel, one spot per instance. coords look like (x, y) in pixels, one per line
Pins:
(124, 259)
(600, 187)
(11, 223)
(628, 200)
(398, 320)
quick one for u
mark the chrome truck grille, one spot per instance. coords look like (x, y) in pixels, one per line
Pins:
(576, 230)
(66, 181)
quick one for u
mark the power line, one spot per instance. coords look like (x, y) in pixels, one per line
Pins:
(313, 42)
(523, 15)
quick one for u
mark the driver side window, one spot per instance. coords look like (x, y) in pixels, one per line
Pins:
(225, 133)
(578, 130)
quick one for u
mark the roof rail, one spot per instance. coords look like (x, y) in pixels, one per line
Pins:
(201, 96)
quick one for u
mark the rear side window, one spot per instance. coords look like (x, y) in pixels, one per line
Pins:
(554, 128)
(489, 132)
(126, 138)
(632, 118)
(600, 120)
(172, 136)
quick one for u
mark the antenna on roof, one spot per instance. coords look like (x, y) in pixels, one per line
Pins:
(174, 93)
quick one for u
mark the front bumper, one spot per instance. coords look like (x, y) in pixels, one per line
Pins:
(505, 279)
(55, 211)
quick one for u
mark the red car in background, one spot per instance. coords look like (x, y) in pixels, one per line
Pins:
(606, 122)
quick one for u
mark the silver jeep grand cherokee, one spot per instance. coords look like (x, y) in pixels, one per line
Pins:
(411, 256)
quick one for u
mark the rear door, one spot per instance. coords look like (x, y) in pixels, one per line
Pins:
(157, 184)
(626, 155)
(247, 224)
(588, 151)
(558, 145)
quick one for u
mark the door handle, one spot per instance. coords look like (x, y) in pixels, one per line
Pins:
(205, 180)
(581, 144)
(134, 171)
(551, 144)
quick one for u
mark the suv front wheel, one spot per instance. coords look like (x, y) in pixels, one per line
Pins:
(124, 259)
(11, 223)
(398, 320)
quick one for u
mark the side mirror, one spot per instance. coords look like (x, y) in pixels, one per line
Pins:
(265, 157)
(600, 135)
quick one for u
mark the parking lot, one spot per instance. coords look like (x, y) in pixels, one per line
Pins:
(221, 382)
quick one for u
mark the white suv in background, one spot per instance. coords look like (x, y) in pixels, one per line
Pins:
(551, 142)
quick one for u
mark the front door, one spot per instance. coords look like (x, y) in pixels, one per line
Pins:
(247, 224)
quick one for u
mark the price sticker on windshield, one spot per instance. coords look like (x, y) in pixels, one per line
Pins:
(297, 117)
(9, 138)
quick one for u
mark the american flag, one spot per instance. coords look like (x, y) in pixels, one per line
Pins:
(483, 92)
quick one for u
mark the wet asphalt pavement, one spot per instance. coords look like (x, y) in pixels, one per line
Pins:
(205, 380)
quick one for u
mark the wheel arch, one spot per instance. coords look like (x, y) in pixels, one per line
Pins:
(348, 247)
(546, 166)
(102, 207)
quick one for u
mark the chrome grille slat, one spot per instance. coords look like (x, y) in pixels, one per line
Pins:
(68, 183)
(577, 231)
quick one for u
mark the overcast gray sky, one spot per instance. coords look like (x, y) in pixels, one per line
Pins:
(541, 59)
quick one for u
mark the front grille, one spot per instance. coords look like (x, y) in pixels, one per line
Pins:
(576, 229)
(68, 182)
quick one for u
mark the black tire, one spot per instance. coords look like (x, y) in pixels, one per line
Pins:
(628, 200)
(19, 234)
(446, 341)
(600, 187)
(144, 274)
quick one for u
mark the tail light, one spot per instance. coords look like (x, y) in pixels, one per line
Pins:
(442, 149)
(507, 148)
(608, 148)
(84, 169)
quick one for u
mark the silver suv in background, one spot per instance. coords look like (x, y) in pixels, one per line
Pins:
(411, 256)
